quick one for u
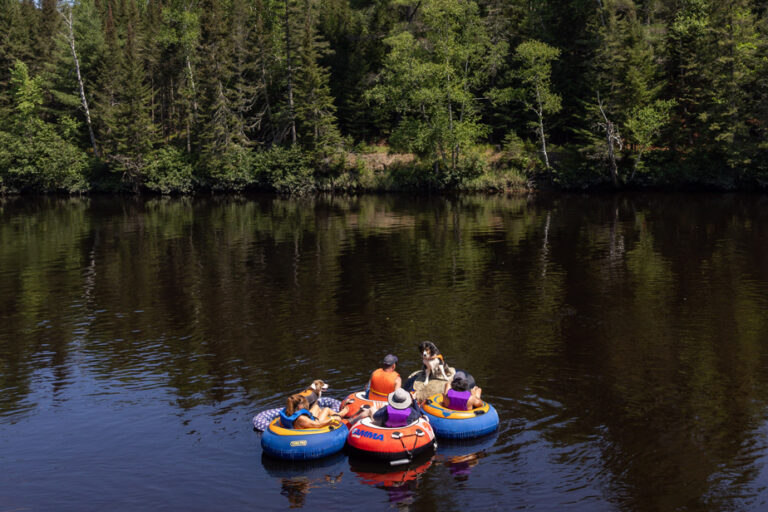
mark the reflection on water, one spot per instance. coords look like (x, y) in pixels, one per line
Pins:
(297, 479)
(623, 340)
(461, 456)
(400, 484)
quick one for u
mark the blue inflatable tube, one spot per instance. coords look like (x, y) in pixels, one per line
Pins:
(451, 424)
(303, 444)
(261, 421)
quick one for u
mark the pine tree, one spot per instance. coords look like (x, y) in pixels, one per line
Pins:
(315, 111)
(111, 73)
(177, 69)
(16, 28)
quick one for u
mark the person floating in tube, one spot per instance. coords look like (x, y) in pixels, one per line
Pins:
(384, 380)
(461, 394)
(296, 414)
(399, 411)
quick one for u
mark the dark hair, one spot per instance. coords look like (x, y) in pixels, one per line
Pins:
(294, 403)
(460, 384)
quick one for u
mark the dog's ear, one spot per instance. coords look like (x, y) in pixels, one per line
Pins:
(313, 386)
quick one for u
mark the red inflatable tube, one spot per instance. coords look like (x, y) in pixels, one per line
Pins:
(395, 445)
(357, 400)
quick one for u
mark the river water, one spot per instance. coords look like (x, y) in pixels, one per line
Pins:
(623, 340)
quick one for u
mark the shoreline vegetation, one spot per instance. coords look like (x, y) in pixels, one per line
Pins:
(304, 96)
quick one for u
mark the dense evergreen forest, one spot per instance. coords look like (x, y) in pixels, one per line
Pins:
(173, 96)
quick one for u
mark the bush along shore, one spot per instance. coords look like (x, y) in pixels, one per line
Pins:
(297, 96)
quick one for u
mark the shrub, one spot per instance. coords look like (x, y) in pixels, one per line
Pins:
(286, 170)
(42, 162)
(168, 171)
(229, 170)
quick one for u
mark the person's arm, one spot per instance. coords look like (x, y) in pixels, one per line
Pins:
(379, 418)
(398, 382)
(446, 387)
(414, 413)
(475, 400)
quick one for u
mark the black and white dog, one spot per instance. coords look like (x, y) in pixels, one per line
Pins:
(434, 362)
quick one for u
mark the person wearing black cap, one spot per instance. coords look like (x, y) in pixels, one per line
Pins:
(384, 380)
(461, 394)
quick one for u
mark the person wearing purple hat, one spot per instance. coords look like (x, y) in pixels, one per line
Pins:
(384, 380)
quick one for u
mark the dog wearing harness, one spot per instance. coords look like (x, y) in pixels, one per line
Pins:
(314, 392)
(433, 361)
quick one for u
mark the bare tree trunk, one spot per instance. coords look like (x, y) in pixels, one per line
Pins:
(450, 127)
(540, 113)
(192, 84)
(265, 85)
(290, 75)
(612, 136)
(71, 40)
(611, 155)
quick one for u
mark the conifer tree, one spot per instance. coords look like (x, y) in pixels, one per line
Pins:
(315, 111)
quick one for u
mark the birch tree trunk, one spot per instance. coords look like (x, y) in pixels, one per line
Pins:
(540, 113)
(71, 40)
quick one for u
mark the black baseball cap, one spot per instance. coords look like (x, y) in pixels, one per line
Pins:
(389, 360)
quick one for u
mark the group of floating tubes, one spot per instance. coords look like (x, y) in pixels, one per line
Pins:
(394, 445)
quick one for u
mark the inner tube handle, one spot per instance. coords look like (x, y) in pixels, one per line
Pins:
(396, 435)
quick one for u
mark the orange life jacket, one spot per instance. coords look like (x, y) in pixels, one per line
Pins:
(382, 384)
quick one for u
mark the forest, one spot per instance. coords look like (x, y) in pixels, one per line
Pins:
(297, 96)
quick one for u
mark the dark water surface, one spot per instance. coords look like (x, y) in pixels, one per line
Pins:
(623, 340)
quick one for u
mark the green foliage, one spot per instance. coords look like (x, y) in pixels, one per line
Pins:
(429, 80)
(519, 154)
(178, 89)
(535, 74)
(230, 169)
(168, 172)
(285, 170)
(27, 98)
(315, 110)
(645, 124)
(41, 162)
(535, 92)
(33, 155)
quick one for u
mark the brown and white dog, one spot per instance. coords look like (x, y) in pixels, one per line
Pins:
(314, 392)
(433, 360)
